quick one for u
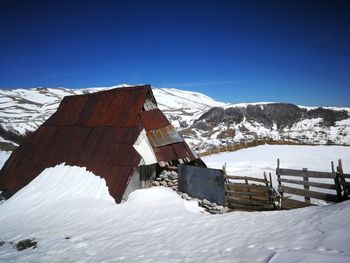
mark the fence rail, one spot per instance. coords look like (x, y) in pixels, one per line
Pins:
(253, 194)
(243, 145)
(337, 183)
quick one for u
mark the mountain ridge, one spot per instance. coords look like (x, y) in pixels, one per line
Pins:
(203, 121)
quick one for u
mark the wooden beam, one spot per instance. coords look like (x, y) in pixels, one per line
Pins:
(251, 208)
(313, 184)
(314, 174)
(346, 175)
(233, 177)
(248, 201)
(247, 193)
(288, 203)
(246, 187)
(310, 194)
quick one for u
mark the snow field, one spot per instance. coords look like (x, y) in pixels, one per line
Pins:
(70, 214)
(254, 161)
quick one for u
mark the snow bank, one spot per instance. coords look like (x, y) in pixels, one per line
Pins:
(155, 225)
(57, 184)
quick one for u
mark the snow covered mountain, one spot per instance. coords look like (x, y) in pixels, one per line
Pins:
(203, 121)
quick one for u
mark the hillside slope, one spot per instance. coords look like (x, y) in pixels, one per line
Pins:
(204, 122)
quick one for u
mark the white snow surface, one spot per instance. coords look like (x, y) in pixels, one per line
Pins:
(3, 157)
(257, 160)
(73, 219)
(254, 161)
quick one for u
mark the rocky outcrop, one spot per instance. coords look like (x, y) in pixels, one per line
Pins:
(283, 115)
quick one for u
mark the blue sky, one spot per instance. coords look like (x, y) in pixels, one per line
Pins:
(234, 51)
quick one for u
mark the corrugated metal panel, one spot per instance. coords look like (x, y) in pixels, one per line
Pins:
(163, 136)
(165, 153)
(180, 150)
(88, 110)
(153, 119)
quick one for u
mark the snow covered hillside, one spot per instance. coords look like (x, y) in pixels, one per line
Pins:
(70, 215)
(203, 121)
(254, 161)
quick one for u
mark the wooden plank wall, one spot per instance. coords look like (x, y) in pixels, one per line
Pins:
(249, 193)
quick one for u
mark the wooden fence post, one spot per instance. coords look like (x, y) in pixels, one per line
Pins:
(248, 189)
(279, 177)
(340, 167)
(306, 187)
(342, 180)
(265, 178)
(336, 182)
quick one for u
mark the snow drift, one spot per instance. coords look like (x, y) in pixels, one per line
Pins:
(73, 219)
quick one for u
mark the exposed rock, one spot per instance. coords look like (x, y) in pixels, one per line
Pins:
(282, 114)
(206, 202)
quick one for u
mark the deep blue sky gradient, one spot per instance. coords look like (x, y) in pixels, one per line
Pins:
(234, 51)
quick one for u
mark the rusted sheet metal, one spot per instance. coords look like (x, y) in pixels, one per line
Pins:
(96, 131)
(88, 110)
(118, 108)
(171, 152)
(153, 119)
(180, 150)
(163, 136)
(165, 153)
(70, 109)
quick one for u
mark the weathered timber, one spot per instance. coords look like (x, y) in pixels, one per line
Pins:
(313, 184)
(308, 193)
(250, 202)
(248, 208)
(248, 193)
(250, 197)
(287, 203)
(233, 177)
(344, 183)
(306, 187)
(336, 182)
(314, 174)
(246, 188)
(346, 176)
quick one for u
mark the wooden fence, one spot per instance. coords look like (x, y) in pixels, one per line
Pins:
(243, 145)
(332, 188)
(247, 144)
(250, 194)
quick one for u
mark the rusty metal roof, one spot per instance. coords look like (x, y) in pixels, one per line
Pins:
(153, 119)
(164, 136)
(96, 131)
